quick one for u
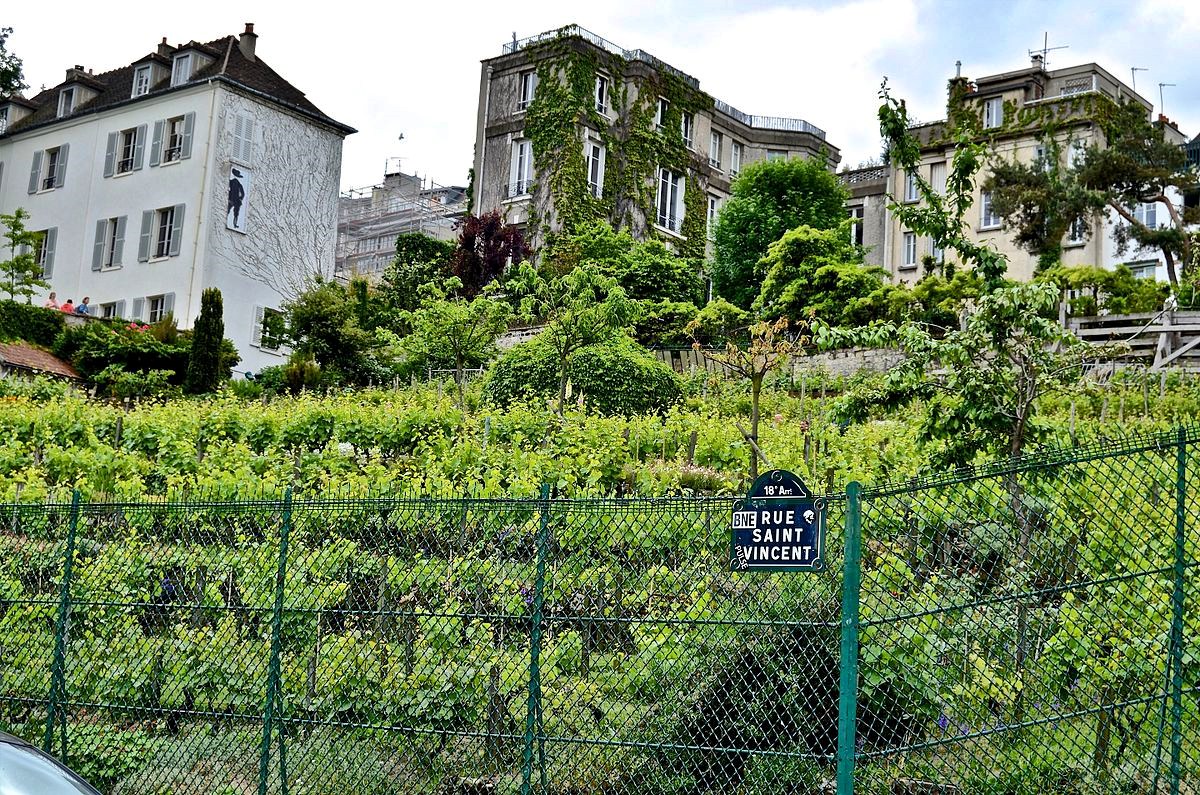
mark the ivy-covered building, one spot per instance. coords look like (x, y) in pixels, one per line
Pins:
(1012, 110)
(572, 129)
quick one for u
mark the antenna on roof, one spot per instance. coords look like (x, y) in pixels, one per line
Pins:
(1162, 108)
(1133, 70)
(1047, 49)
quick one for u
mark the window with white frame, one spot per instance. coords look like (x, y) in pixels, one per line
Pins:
(1077, 232)
(687, 125)
(713, 205)
(910, 186)
(109, 310)
(267, 330)
(520, 174)
(595, 165)
(776, 154)
(66, 101)
(110, 240)
(937, 178)
(181, 69)
(987, 217)
(910, 250)
(857, 214)
(660, 117)
(936, 252)
(993, 112)
(127, 144)
(43, 251)
(141, 80)
(527, 85)
(164, 225)
(735, 159)
(714, 149)
(669, 200)
(156, 308)
(1078, 150)
(1144, 269)
(1146, 213)
(172, 140)
(602, 95)
(49, 169)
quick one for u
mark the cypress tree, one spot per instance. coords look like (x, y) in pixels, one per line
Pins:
(204, 363)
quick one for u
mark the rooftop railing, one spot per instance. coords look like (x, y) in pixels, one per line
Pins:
(770, 122)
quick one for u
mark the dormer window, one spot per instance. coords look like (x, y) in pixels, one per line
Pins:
(3, 120)
(181, 69)
(66, 102)
(141, 80)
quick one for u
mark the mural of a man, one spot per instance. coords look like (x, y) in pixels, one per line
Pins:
(237, 194)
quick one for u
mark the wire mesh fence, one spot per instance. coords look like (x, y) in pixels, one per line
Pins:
(1025, 628)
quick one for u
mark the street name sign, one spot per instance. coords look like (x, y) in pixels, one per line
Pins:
(779, 526)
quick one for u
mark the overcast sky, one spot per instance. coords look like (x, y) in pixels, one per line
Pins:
(413, 68)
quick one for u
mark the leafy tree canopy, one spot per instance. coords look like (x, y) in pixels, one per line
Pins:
(420, 259)
(645, 271)
(768, 199)
(12, 76)
(486, 245)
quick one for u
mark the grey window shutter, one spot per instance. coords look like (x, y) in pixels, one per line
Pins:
(98, 246)
(156, 144)
(60, 174)
(189, 124)
(177, 229)
(139, 309)
(35, 172)
(257, 329)
(50, 242)
(169, 304)
(139, 147)
(110, 155)
(144, 243)
(119, 243)
(119, 309)
(1, 176)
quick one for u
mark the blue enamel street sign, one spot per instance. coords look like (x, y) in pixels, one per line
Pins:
(779, 526)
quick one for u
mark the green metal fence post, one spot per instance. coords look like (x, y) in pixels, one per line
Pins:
(1177, 612)
(533, 713)
(273, 696)
(55, 711)
(848, 690)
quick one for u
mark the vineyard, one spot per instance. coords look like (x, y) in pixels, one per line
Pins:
(416, 614)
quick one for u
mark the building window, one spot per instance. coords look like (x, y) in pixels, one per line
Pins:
(1146, 214)
(857, 214)
(936, 252)
(911, 194)
(1077, 232)
(110, 239)
(1144, 269)
(714, 150)
(181, 69)
(528, 85)
(735, 159)
(993, 112)
(66, 102)
(1078, 149)
(521, 169)
(268, 328)
(937, 178)
(687, 124)
(156, 308)
(595, 163)
(164, 226)
(109, 311)
(669, 201)
(776, 154)
(3, 120)
(243, 139)
(660, 118)
(173, 140)
(52, 166)
(910, 250)
(128, 142)
(602, 95)
(987, 218)
(713, 206)
(141, 81)
(162, 233)
(43, 251)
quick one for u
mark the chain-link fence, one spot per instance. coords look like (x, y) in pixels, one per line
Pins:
(1019, 629)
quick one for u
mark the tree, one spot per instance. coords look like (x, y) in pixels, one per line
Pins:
(937, 215)
(814, 271)
(21, 274)
(486, 245)
(12, 77)
(420, 259)
(1138, 165)
(323, 323)
(769, 198)
(208, 336)
(456, 330)
(579, 308)
(768, 346)
(1042, 201)
(646, 271)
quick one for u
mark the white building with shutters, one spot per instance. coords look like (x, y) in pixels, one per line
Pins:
(196, 166)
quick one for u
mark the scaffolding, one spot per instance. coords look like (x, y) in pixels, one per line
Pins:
(370, 218)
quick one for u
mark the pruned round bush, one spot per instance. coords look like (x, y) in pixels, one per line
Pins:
(615, 377)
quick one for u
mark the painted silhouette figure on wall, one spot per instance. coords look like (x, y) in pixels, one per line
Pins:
(239, 188)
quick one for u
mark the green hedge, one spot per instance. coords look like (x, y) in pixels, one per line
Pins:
(30, 323)
(615, 377)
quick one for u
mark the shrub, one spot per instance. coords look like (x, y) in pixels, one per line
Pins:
(30, 323)
(664, 323)
(114, 381)
(614, 377)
